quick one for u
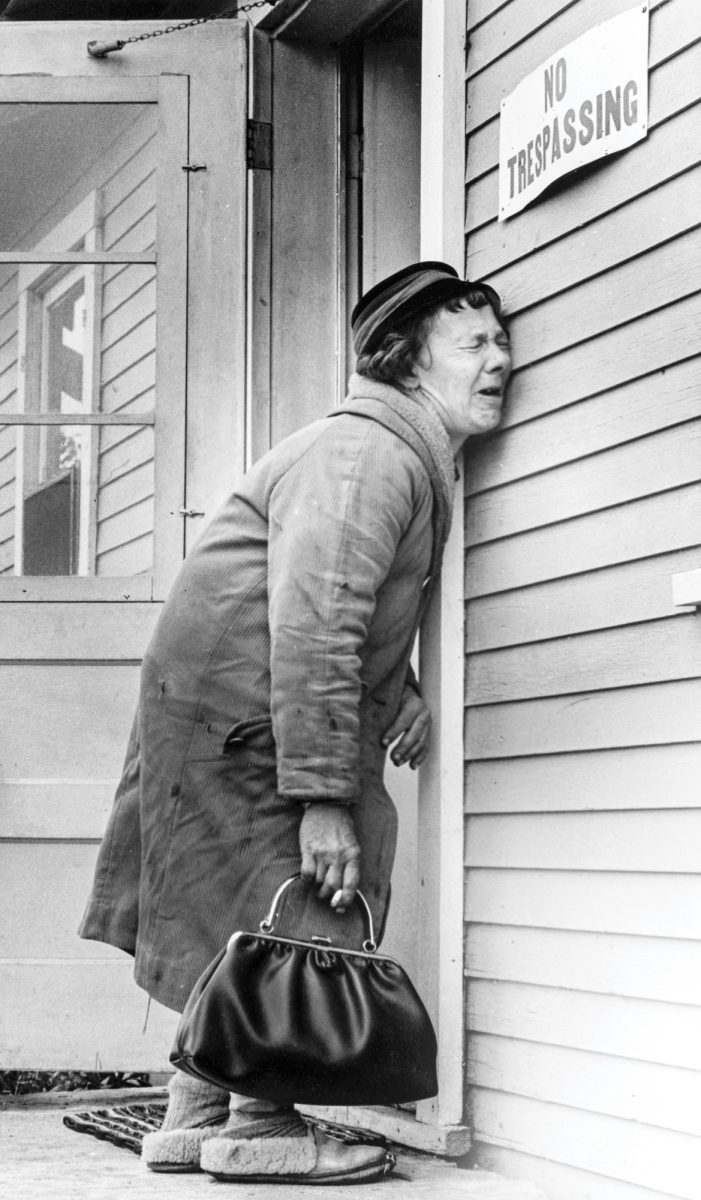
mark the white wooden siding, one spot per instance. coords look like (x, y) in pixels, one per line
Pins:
(583, 681)
(127, 372)
(8, 395)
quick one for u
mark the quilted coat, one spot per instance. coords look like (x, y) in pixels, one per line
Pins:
(277, 664)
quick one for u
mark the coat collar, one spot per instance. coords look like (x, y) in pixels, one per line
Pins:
(413, 418)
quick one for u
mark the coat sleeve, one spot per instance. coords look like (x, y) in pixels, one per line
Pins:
(336, 519)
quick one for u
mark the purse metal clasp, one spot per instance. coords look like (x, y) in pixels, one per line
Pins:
(267, 925)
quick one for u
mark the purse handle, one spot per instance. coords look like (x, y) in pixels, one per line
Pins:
(267, 925)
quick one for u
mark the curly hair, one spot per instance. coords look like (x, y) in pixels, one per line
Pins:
(394, 359)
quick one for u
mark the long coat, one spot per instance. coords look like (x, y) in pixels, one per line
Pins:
(276, 666)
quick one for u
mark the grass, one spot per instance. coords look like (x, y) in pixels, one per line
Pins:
(21, 1083)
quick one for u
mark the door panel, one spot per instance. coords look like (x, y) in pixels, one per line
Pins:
(97, 357)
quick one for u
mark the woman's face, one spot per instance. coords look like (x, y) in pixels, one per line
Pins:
(464, 369)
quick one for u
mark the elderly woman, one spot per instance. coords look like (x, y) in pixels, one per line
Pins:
(277, 677)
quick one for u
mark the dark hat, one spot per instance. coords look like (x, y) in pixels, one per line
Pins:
(405, 294)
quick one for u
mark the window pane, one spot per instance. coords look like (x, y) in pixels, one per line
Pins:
(76, 499)
(8, 336)
(86, 334)
(127, 339)
(125, 500)
(77, 176)
(8, 492)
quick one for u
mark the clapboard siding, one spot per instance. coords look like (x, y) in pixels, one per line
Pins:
(562, 897)
(625, 533)
(607, 300)
(665, 841)
(671, 32)
(601, 1023)
(645, 777)
(127, 362)
(134, 218)
(136, 307)
(8, 401)
(653, 651)
(583, 681)
(653, 714)
(561, 1181)
(642, 407)
(612, 597)
(673, 140)
(665, 1097)
(133, 388)
(121, 285)
(664, 53)
(677, 117)
(127, 374)
(649, 968)
(614, 239)
(132, 486)
(651, 1158)
(135, 342)
(8, 467)
(615, 358)
(653, 464)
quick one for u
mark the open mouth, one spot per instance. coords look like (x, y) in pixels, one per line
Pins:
(490, 391)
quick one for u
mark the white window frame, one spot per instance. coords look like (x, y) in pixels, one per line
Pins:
(171, 94)
(38, 288)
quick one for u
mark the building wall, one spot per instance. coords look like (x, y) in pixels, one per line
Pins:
(583, 921)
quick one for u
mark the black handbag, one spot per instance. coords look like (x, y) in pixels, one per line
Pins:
(307, 1022)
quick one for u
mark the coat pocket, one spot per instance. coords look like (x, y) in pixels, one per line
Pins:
(256, 731)
(218, 739)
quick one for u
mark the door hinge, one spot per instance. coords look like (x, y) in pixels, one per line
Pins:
(354, 156)
(259, 145)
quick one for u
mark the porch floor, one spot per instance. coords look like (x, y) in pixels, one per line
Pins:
(42, 1158)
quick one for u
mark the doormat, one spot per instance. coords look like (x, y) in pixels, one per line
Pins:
(126, 1125)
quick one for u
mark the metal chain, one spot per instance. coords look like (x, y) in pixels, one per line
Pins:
(102, 49)
(233, 11)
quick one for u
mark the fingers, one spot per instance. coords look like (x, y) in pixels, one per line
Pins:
(346, 894)
(399, 726)
(414, 745)
(412, 748)
(412, 726)
(308, 867)
(330, 853)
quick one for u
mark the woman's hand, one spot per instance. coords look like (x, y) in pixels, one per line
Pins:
(412, 726)
(330, 853)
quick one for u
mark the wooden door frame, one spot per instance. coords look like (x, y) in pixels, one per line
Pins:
(438, 1123)
(442, 659)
